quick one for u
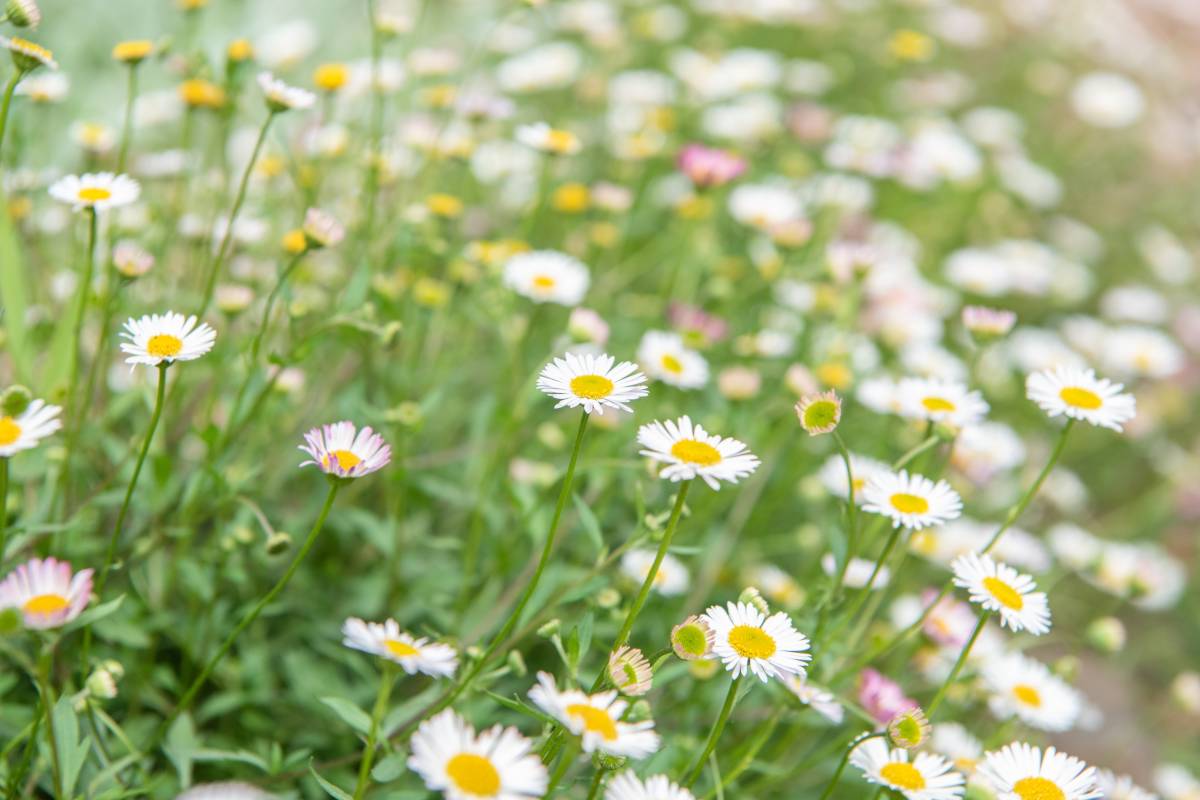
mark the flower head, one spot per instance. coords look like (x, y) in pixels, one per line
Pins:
(23, 13)
(596, 718)
(665, 357)
(46, 592)
(988, 323)
(925, 777)
(133, 51)
(1079, 394)
(1026, 688)
(495, 764)
(908, 729)
(24, 430)
(547, 276)
(340, 450)
(693, 639)
(321, 229)
(131, 259)
(823, 701)
(691, 452)
(592, 381)
(627, 786)
(199, 93)
(98, 191)
(1025, 772)
(941, 401)
(882, 697)
(26, 55)
(541, 136)
(747, 640)
(709, 166)
(629, 671)
(819, 413)
(999, 587)
(282, 97)
(158, 339)
(413, 654)
(911, 501)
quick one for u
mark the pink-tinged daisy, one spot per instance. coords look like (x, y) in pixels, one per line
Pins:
(691, 452)
(709, 166)
(47, 594)
(343, 451)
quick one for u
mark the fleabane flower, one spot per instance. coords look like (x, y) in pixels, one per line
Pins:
(157, 339)
(819, 413)
(941, 401)
(1020, 771)
(25, 430)
(547, 276)
(988, 323)
(593, 381)
(23, 13)
(413, 654)
(690, 452)
(709, 166)
(629, 671)
(821, 700)
(1026, 688)
(1000, 588)
(282, 97)
(596, 719)
(911, 501)
(627, 786)
(341, 450)
(321, 229)
(26, 55)
(665, 357)
(495, 764)
(1077, 393)
(747, 640)
(926, 777)
(98, 191)
(693, 639)
(1121, 787)
(46, 592)
(540, 136)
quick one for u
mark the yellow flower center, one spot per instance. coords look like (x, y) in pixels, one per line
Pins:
(1038, 789)
(45, 604)
(751, 642)
(164, 345)
(134, 50)
(544, 282)
(936, 404)
(965, 764)
(1027, 695)
(594, 720)
(902, 774)
(1005, 595)
(909, 503)
(345, 459)
(94, 194)
(400, 649)
(694, 452)
(473, 775)
(559, 141)
(331, 77)
(671, 364)
(10, 431)
(1081, 398)
(591, 387)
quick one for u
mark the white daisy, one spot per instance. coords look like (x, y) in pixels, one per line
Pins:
(596, 719)
(337, 449)
(46, 593)
(823, 701)
(833, 474)
(912, 501)
(926, 777)
(690, 452)
(411, 653)
(166, 338)
(1023, 687)
(627, 786)
(224, 790)
(540, 136)
(999, 587)
(665, 357)
(747, 640)
(282, 97)
(547, 276)
(1121, 787)
(1079, 394)
(98, 191)
(25, 430)
(592, 381)
(670, 580)
(28, 55)
(957, 744)
(495, 764)
(941, 401)
(858, 572)
(1020, 771)
(630, 672)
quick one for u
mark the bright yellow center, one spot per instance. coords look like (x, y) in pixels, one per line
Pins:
(671, 364)
(559, 141)
(400, 649)
(591, 387)
(331, 77)
(45, 604)
(1027, 695)
(694, 452)
(751, 642)
(594, 720)
(902, 774)
(1005, 595)
(93, 194)
(1038, 789)
(936, 404)
(473, 774)
(345, 459)
(164, 345)
(133, 50)
(10, 431)
(909, 503)
(543, 282)
(1081, 398)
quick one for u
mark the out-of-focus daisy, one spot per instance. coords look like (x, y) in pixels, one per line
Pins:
(166, 338)
(46, 592)
(862, 468)
(1079, 394)
(691, 452)
(941, 401)
(670, 580)
(926, 777)
(1023, 687)
(823, 701)
(911, 501)
(1121, 787)
(882, 697)
(540, 136)
(858, 572)
(819, 413)
(282, 97)
(386, 640)
(338, 449)
(132, 51)
(98, 191)
(665, 357)
(24, 430)
(1022, 771)
(321, 229)
(199, 93)
(627, 786)
(709, 166)
(999, 587)
(1107, 100)
(596, 719)
(547, 276)
(693, 639)
(23, 13)
(988, 323)
(592, 381)
(957, 744)
(747, 640)
(224, 790)
(495, 764)
(131, 259)
(26, 55)
(629, 671)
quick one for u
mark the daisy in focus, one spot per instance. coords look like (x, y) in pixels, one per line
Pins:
(592, 381)
(1079, 394)
(413, 654)
(97, 191)
(665, 357)
(1027, 689)
(627, 786)
(999, 587)
(158, 339)
(941, 401)
(46, 592)
(26, 429)
(926, 777)
(596, 719)
(495, 764)
(282, 97)
(911, 501)
(1020, 771)
(747, 640)
(339, 449)
(691, 452)
(547, 276)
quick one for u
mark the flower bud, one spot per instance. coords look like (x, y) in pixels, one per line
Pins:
(754, 597)
(908, 729)
(550, 628)
(1106, 634)
(278, 542)
(23, 13)
(516, 662)
(15, 400)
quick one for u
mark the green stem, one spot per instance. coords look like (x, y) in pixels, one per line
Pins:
(77, 334)
(597, 782)
(715, 734)
(851, 523)
(870, 587)
(564, 763)
(271, 298)
(841, 767)
(958, 665)
(381, 702)
(752, 751)
(3, 506)
(43, 679)
(9, 88)
(127, 125)
(920, 448)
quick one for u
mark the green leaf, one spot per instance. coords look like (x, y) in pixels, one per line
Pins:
(95, 614)
(15, 296)
(330, 789)
(72, 751)
(591, 525)
(349, 713)
(181, 746)
(242, 756)
(513, 704)
(389, 768)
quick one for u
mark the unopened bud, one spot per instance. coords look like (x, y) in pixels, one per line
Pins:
(754, 597)
(1107, 634)
(15, 400)
(516, 662)
(279, 542)
(550, 628)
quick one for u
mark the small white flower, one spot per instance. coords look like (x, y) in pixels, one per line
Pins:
(495, 764)
(413, 654)
(282, 97)
(627, 786)
(926, 777)
(941, 401)
(342, 450)
(1027, 689)
(541, 136)
(665, 357)
(999, 587)
(671, 579)
(24, 431)
(547, 276)
(99, 191)
(46, 592)
(1020, 771)
(823, 701)
(1079, 394)
(596, 718)
(690, 452)
(592, 381)
(912, 501)
(746, 640)
(166, 338)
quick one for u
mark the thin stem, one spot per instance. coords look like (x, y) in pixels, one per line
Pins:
(43, 679)
(1018, 509)
(958, 665)
(9, 88)
(270, 305)
(841, 767)
(564, 763)
(597, 782)
(3, 506)
(77, 334)
(920, 448)
(869, 586)
(752, 751)
(127, 125)
(715, 734)
(851, 516)
(381, 702)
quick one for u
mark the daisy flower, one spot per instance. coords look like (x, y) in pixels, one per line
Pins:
(1079, 394)
(547, 276)
(823, 701)
(224, 790)
(282, 97)
(627, 786)
(540, 136)
(941, 401)
(1020, 771)
(157, 339)
(999, 587)
(629, 671)
(747, 640)
(670, 580)
(592, 381)
(596, 718)
(133, 51)
(337, 450)
(321, 229)
(26, 55)
(988, 323)
(1121, 787)
(693, 639)
(690, 452)
(912, 501)
(862, 468)
(496, 764)
(46, 592)
(23, 13)
(1027, 689)
(858, 572)
(388, 641)
(926, 777)
(26, 429)
(957, 744)
(665, 357)
(709, 166)
(98, 191)
(820, 413)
